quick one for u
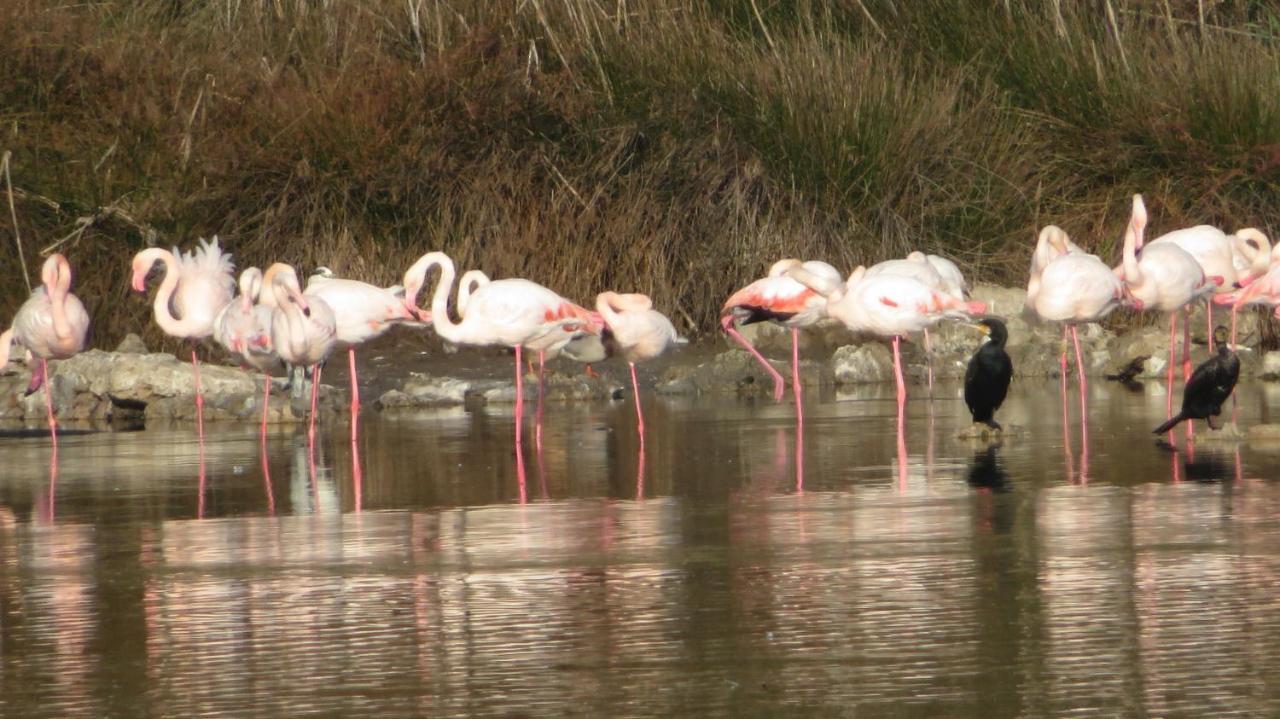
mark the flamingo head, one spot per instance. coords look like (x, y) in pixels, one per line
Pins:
(141, 268)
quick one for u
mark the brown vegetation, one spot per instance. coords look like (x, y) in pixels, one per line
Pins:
(669, 147)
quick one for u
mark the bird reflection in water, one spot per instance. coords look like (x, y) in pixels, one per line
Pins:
(985, 472)
(1205, 465)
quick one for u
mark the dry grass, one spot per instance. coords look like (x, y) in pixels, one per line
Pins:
(667, 147)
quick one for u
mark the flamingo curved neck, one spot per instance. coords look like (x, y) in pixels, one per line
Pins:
(164, 295)
(440, 319)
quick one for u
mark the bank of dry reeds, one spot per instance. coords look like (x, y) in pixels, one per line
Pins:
(667, 146)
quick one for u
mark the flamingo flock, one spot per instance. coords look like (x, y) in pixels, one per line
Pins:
(268, 319)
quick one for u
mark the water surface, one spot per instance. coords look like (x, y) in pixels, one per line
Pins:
(1025, 579)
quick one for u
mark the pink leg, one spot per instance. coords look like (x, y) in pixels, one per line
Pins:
(1066, 424)
(902, 403)
(1186, 349)
(635, 391)
(1208, 313)
(355, 394)
(897, 374)
(1084, 408)
(48, 402)
(519, 394)
(1173, 333)
(201, 481)
(520, 475)
(266, 479)
(537, 415)
(800, 458)
(357, 476)
(928, 359)
(795, 373)
(53, 480)
(266, 403)
(195, 366)
(1234, 309)
(315, 397)
(727, 324)
(640, 472)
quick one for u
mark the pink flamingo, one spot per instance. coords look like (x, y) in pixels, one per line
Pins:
(197, 285)
(51, 324)
(1229, 261)
(303, 330)
(937, 273)
(1074, 288)
(363, 312)
(779, 298)
(243, 328)
(1165, 279)
(513, 312)
(636, 331)
(886, 305)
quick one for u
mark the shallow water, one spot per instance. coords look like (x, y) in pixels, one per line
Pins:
(1032, 578)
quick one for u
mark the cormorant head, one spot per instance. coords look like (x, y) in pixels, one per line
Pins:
(994, 328)
(1221, 336)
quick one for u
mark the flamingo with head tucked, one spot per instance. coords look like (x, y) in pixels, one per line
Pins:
(935, 272)
(243, 328)
(197, 285)
(363, 312)
(633, 329)
(51, 324)
(781, 299)
(513, 312)
(303, 329)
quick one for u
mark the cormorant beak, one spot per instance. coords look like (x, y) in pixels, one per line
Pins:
(979, 327)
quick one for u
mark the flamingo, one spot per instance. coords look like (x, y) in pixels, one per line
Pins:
(1165, 279)
(1225, 259)
(51, 324)
(363, 312)
(784, 300)
(303, 329)
(197, 285)
(514, 312)
(243, 328)
(886, 305)
(1072, 287)
(937, 273)
(636, 331)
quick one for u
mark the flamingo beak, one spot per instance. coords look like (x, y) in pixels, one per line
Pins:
(139, 281)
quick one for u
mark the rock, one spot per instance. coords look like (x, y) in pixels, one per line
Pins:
(131, 344)
(111, 386)
(857, 364)
(427, 391)
(733, 371)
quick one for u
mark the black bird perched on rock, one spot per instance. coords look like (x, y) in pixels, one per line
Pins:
(986, 381)
(1210, 385)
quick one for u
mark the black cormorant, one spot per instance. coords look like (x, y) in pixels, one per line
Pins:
(1210, 385)
(986, 381)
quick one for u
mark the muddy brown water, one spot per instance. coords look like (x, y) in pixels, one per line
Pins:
(1026, 579)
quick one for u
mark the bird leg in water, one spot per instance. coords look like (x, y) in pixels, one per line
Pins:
(795, 373)
(635, 391)
(1186, 347)
(928, 359)
(1173, 344)
(727, 324)
(1208, 315)
(315, 396)
(537, 414)
(48, 402)
(266, 403)
(195, 366)
(1084, 409)
(355, 395)
(519, 402)
(897, 374)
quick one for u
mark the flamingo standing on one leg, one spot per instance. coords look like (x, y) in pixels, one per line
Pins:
(513, 312)
(1166, 278)
(937, 273)
(197, 285)
(363, 312)
(782, 299)
(243, 328)
(51, 324)
(1074, 288)
(636, 331)
(303, 330)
